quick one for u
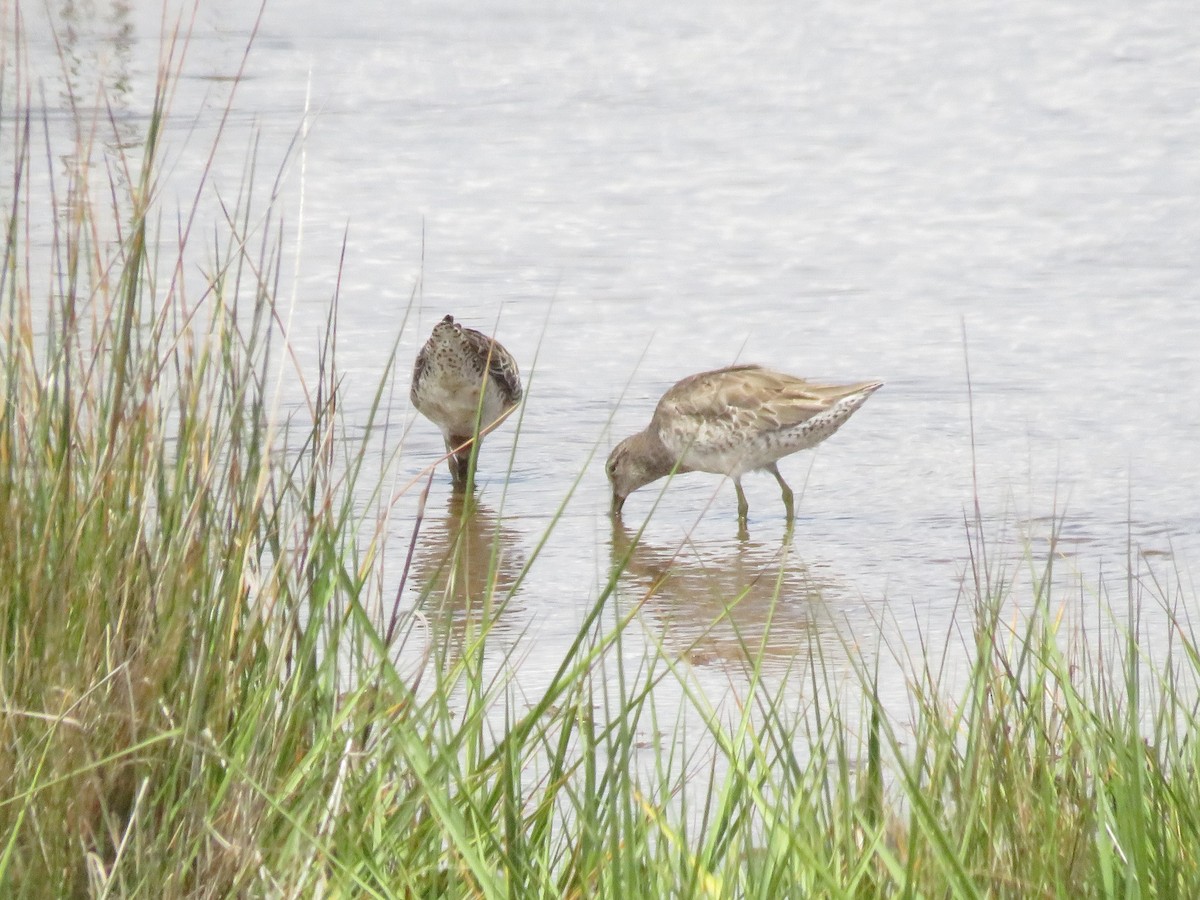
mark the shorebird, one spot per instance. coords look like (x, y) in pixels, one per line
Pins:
(464, 382)
(732, 421)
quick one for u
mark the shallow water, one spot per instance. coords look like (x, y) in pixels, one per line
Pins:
(631, 194)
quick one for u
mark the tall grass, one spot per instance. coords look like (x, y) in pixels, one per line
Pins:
(200, 695)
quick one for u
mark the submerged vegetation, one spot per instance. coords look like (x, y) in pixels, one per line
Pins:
(204, 692)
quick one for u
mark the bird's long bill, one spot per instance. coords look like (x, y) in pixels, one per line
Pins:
(617, 502)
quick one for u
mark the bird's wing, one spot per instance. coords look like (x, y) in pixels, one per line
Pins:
(751, 397)
(502, 368)
(418, 371)
(747, 397)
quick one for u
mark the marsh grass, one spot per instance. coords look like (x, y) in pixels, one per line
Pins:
(203, 694)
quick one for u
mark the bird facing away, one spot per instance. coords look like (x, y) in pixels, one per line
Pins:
(464, 381)
(733, 421)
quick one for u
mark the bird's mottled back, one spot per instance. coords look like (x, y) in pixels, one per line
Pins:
(464, 353)
(754, 397)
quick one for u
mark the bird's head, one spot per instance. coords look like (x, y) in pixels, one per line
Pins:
(628, 468)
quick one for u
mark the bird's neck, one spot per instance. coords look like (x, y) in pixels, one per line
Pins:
(659, 461)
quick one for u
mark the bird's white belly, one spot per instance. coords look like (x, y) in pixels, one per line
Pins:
(723, 460)
(454, 405)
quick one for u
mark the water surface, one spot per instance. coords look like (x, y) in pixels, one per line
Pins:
(630, 194)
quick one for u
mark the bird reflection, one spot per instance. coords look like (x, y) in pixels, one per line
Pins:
(728, 606)
(465, 566)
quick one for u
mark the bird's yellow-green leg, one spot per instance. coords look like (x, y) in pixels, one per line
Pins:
(788, 497)
(743, 506)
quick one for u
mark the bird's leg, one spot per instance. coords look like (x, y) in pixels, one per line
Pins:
(743, 506)
(460, 462)
(458, 471)
(788, 498)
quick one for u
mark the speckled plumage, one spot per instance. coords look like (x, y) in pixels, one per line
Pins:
(451, 370)
(732, 421)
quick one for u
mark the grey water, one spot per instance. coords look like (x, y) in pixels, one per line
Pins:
(992, 206)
